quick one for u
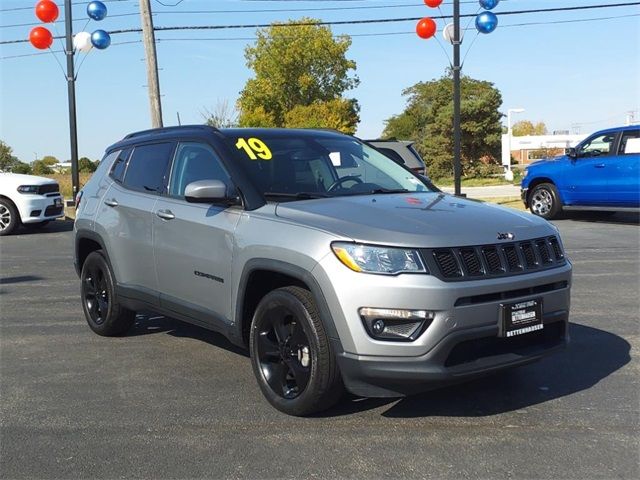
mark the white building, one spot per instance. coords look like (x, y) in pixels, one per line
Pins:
(524, 149)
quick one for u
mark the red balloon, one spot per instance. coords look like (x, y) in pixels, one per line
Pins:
(40, 38)
(426, 28)
(47, 11)
(433, 3)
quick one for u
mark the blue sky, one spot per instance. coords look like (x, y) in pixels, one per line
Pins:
(584, 74)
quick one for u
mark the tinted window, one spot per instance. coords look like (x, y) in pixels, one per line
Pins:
(120, 165)
(630, 142)
(392, 154)
(598, 146)
(193, 162)
(148, 167)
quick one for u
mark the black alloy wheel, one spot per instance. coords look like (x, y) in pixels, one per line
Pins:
(102, 309)
(283, 352)
(292, 357)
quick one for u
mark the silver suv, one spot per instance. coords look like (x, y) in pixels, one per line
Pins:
(336, 266)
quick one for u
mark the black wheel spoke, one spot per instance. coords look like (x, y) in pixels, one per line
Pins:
(281, 330)
(300, 374)
(276, 376)
(268, 347)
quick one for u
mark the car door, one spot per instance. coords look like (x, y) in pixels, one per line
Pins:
(127, 216)
(194, 242)
(624, 167)
(587, 176)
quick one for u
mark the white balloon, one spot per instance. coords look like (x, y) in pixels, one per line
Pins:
(82, 42)
(447, 33)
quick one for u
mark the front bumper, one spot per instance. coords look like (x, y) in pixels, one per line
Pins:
(40, 208)
(459, 356)
(523, 196)
(462, 340)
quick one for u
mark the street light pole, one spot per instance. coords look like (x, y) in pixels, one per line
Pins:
(456, 97)
(71, 94)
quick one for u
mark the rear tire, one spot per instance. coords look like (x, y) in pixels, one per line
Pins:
(9, 218)
(544, 201)
(291, 355)
(104, 313)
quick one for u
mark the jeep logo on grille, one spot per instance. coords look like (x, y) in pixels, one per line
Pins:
(506, 236)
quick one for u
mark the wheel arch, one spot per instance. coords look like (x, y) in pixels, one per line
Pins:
(8, 199)
(262, 275)
(537, 181)
(86, 242)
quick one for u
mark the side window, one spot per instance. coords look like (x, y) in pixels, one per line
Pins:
(598, 146)
(105, 163)
(120, 165)
(148, 167)
(629, 143)
(193, 162)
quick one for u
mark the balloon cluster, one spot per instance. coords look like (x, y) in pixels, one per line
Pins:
(486, 21)
(47, 11)
(426, 27)
(85, 41)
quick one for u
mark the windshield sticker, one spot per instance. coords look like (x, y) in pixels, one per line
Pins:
(254, 148)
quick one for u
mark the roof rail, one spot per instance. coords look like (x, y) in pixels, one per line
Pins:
(168, 130)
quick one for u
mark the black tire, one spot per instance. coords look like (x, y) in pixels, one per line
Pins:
(35, 226)
(291, 355)
(9, 217)
(544, 201)
(104, 314)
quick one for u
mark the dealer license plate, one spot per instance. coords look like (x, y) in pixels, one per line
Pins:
(57, 202)
(520, 318)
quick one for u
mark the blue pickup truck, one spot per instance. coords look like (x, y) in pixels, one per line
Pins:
(602, 173)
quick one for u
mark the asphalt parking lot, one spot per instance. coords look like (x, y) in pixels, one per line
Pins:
(174, 401)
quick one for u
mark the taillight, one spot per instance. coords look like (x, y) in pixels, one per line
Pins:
(78, 198)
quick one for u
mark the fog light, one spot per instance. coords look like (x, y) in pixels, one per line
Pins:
(395, 324)
(378, 326)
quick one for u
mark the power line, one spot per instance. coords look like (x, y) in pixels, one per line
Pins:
(378, 34)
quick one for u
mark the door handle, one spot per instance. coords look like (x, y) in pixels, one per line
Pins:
(111, 203)
(599, 165)
(165, 214)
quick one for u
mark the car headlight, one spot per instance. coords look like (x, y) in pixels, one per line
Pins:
(381, 260)
(28, 189)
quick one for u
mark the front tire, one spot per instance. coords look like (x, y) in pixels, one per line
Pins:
(544, 201)
(104, 313)
(9, 218)
(291, 355)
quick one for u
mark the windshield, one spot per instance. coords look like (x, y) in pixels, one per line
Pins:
(303, 165)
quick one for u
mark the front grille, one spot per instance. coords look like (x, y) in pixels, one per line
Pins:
(48, 188)
(447, 263)
(489, 261)
(52, 210)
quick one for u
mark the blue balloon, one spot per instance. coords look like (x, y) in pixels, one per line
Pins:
(97, 11)
(486, 22)
(489, 4)
(100, 39)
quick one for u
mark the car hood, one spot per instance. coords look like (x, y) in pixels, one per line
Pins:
(18, 179)
(546, 161)
(416, 219)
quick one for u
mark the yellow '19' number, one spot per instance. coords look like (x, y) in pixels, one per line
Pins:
(254, 148)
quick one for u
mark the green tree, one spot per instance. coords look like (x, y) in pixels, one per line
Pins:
(298, 66)
(526, 127)
(39, 167)
(49, 160)
(7, 159)
(86, 165)
(21, 167)
(428, 120)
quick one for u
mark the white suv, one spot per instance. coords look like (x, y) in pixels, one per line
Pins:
(28, 200)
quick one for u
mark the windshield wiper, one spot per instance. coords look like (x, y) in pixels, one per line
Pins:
(388, 190)
(298, 195)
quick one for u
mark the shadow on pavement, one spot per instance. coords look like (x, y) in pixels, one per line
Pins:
(20, 279)
(591, 356)
(55, 226)
(612, 218)
(149, 323)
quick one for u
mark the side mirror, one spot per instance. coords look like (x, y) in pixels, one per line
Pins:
(210, 191)
(571, 152)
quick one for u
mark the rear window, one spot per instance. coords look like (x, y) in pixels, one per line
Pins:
(148, 167)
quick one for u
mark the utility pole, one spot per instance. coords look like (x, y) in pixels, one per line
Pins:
(149, 39)
(71, 94)
(456, 97)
